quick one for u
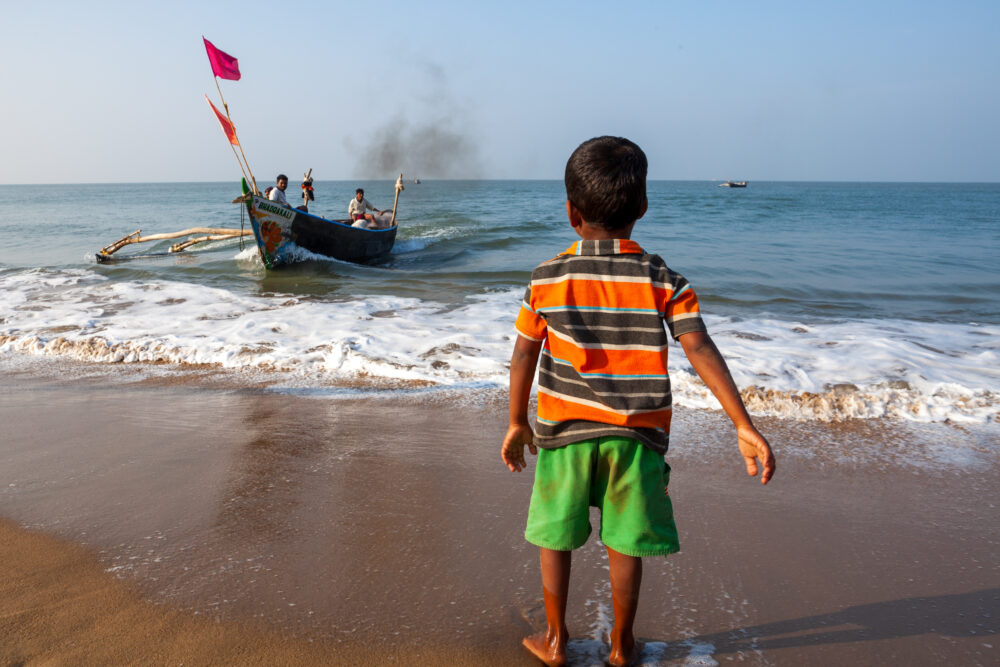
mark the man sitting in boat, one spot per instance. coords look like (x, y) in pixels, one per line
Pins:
(356, 210)
(277, 193)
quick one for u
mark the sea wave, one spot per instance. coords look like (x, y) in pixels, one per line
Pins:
(299, 254)
(815, 371)
(413, 244)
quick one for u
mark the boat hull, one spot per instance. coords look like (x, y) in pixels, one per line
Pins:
(278, 230)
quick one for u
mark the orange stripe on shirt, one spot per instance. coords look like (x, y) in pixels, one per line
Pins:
(555, 408)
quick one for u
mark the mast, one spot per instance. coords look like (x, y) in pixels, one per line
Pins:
(399, 188)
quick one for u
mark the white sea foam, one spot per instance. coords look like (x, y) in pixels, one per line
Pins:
(414, 244)
(85, 316)
(857, 369)
(594, 649)
(249, 254)
(827, 371)
(296, 253)
(700, 654)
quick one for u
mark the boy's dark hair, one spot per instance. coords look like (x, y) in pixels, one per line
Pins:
(359, 191)
(606, 181)
(281, 177)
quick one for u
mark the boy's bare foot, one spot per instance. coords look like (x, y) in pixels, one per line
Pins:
(551, 650)
(620, 657)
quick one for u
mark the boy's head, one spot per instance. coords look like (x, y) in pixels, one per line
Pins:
(606, 181)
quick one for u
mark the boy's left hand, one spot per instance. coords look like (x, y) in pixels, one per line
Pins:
(512, 451)
(754, 447)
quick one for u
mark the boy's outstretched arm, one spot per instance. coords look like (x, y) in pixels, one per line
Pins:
(522, 375)
(712, 369)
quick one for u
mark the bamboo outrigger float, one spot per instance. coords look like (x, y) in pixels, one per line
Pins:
(206, 234)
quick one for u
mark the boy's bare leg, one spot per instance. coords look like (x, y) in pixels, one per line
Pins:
(626, 578)
(550, 646)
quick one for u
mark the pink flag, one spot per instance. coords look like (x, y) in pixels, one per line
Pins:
(224, 65)
(227, 126)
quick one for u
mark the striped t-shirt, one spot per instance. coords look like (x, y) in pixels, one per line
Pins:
(599, 310)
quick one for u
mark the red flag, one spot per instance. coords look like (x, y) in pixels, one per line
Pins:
(227, 126)
(224, 65)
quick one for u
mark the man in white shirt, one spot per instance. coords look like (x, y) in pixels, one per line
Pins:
(277, 193)
(356, 209)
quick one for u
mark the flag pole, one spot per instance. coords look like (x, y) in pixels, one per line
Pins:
(230, 131)
(238, 161)
(253, 181)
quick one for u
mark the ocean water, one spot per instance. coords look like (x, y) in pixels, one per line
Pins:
(830, 301)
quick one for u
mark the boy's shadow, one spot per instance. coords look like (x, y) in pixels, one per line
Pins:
(962, 615)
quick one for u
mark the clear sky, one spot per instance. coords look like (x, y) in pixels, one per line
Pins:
(883, 91)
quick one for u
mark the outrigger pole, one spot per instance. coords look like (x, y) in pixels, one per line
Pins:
(208, 234)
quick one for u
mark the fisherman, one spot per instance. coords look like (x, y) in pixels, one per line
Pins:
(356, 209)
(277, 193)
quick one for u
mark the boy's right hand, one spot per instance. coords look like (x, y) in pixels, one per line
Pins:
(754, 446)
(512, 451)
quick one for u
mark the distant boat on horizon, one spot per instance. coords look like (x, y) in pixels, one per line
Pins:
(734, 184)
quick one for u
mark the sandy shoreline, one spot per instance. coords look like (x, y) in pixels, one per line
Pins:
(61, 607)
(243, 525)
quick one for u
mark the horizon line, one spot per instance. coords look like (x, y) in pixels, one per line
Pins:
(556, 180)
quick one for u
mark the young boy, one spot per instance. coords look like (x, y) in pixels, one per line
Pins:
(596, 314)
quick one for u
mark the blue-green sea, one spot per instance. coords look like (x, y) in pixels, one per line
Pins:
(830, 300)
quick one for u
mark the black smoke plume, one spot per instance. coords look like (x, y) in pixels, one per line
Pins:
(438, 145)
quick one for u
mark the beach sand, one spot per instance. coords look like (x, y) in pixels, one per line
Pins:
(170, 521)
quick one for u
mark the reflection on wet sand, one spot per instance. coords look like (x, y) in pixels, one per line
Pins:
(330, 528)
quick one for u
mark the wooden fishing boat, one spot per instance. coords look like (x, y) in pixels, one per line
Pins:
(279, 229)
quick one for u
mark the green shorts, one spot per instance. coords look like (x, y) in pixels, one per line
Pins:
(618, 475)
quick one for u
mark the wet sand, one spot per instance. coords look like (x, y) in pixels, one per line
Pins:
(178, 522)
(61, 607)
